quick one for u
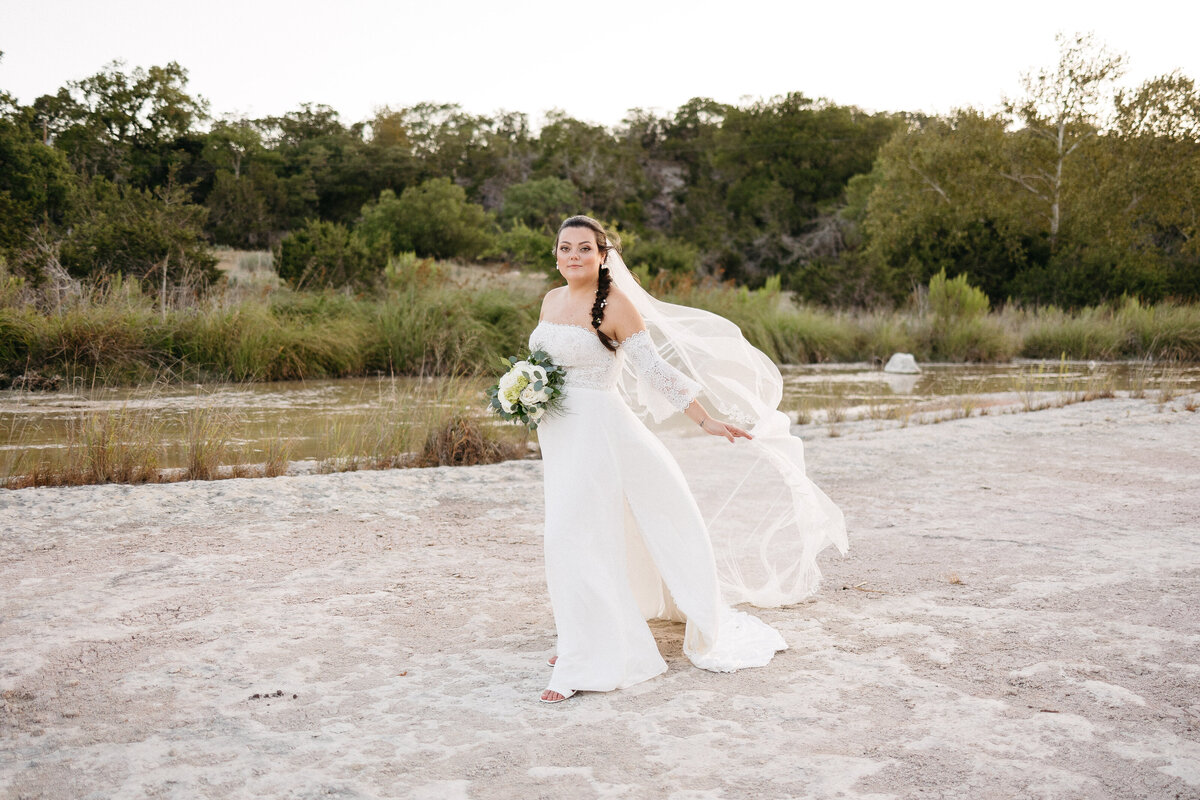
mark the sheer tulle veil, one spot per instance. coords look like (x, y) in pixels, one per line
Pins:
(766, 519)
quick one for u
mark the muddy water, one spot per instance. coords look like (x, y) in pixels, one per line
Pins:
(857, 389)
(315, 414)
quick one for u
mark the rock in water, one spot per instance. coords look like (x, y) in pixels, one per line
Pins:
(902, 363)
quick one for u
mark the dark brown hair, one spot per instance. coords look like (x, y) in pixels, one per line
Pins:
(605, 241)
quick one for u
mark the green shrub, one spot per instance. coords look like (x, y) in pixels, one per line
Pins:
(525, 246)
(433, 219)
(135, 232)
(541, 203)
(955, 298)
(663, 254)
(325, 255)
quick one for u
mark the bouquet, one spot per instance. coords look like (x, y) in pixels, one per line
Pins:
(530, 389)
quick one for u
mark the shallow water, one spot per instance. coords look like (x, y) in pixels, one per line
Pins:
(316, 415)
(860, 388)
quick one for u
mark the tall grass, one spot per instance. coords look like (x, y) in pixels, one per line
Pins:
(1129, 331)
(436, 424)
(422, 321)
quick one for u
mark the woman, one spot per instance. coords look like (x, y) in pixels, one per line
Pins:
(625, 541)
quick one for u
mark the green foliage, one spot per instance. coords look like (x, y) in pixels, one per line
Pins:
(137, 232)
(848, 208)
(1054, 209)
(953, 299)
(526, 247)
(325, 255)
(433, 219)
(661, 254)
(36, 184)
(541, 203)
(122, 125)
(959, 329)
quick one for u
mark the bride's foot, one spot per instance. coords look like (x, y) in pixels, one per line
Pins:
(553, 660)
(551, 696)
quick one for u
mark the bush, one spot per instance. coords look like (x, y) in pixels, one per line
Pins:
(525, 246)
(433, 220)
(138, 233)
(955, 299)
(541, 203)
(325, 255)
(663, 255)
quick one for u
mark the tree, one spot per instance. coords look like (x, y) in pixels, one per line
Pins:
(152, 235)
(938, 202)
(121, 125)
(541, 203)
(1157, 137)
(1061, 113)
(433, 219)
(36, 182)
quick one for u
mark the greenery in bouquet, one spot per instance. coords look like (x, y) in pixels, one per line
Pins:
(529, 389)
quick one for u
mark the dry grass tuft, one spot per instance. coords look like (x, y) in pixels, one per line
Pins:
(953, 579)
(463, 442)
(208, 432)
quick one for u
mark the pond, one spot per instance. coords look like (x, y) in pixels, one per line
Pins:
(319, 418)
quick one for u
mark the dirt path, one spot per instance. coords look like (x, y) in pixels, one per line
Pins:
(1016, 618)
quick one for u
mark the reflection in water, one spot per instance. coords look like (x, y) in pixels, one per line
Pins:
(307, 412)
(901, 384)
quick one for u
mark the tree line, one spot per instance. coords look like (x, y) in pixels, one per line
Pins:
(1076, 193)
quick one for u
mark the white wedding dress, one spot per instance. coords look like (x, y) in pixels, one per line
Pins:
(624, 538)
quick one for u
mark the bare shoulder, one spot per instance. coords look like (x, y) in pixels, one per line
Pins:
(550, 299)
(623, 314)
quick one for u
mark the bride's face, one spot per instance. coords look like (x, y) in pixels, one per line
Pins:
(579, 257)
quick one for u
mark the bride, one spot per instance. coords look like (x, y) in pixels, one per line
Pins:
(625, 538)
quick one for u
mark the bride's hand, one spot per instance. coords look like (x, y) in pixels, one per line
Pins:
(730, 432)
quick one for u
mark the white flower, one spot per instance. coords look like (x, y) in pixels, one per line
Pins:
(512, 384)
(536, 413)
(536, 374)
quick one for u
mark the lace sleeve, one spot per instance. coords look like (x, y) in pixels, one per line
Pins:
(677, 388)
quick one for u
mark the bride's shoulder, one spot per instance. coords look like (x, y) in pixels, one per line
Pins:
(551, 297)
(619, 302)
(622, 311)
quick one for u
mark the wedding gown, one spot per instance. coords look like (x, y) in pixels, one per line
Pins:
(624, 538)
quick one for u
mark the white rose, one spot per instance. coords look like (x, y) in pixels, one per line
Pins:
(530, 396)
(536, 374)
(536, 413)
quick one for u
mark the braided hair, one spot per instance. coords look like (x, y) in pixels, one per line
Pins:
(603, 282)
(605, 241)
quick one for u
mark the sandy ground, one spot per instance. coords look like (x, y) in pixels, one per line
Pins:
(1017, 618)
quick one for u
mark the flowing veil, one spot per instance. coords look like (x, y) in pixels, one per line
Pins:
(766, 519)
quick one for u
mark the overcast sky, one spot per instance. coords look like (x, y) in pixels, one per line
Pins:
(594, 61)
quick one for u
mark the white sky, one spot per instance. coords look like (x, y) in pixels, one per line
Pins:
(593, 60)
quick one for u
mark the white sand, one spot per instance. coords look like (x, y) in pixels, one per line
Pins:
(402, 620)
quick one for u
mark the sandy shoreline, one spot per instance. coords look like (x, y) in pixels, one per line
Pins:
(401, 618)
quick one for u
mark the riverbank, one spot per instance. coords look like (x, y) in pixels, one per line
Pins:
(1014, 618)
(432, 318)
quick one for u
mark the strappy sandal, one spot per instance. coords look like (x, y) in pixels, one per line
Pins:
(565, 695)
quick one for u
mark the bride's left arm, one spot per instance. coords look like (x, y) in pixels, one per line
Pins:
(630, 330)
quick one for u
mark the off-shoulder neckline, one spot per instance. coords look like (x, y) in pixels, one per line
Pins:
(589, 331)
